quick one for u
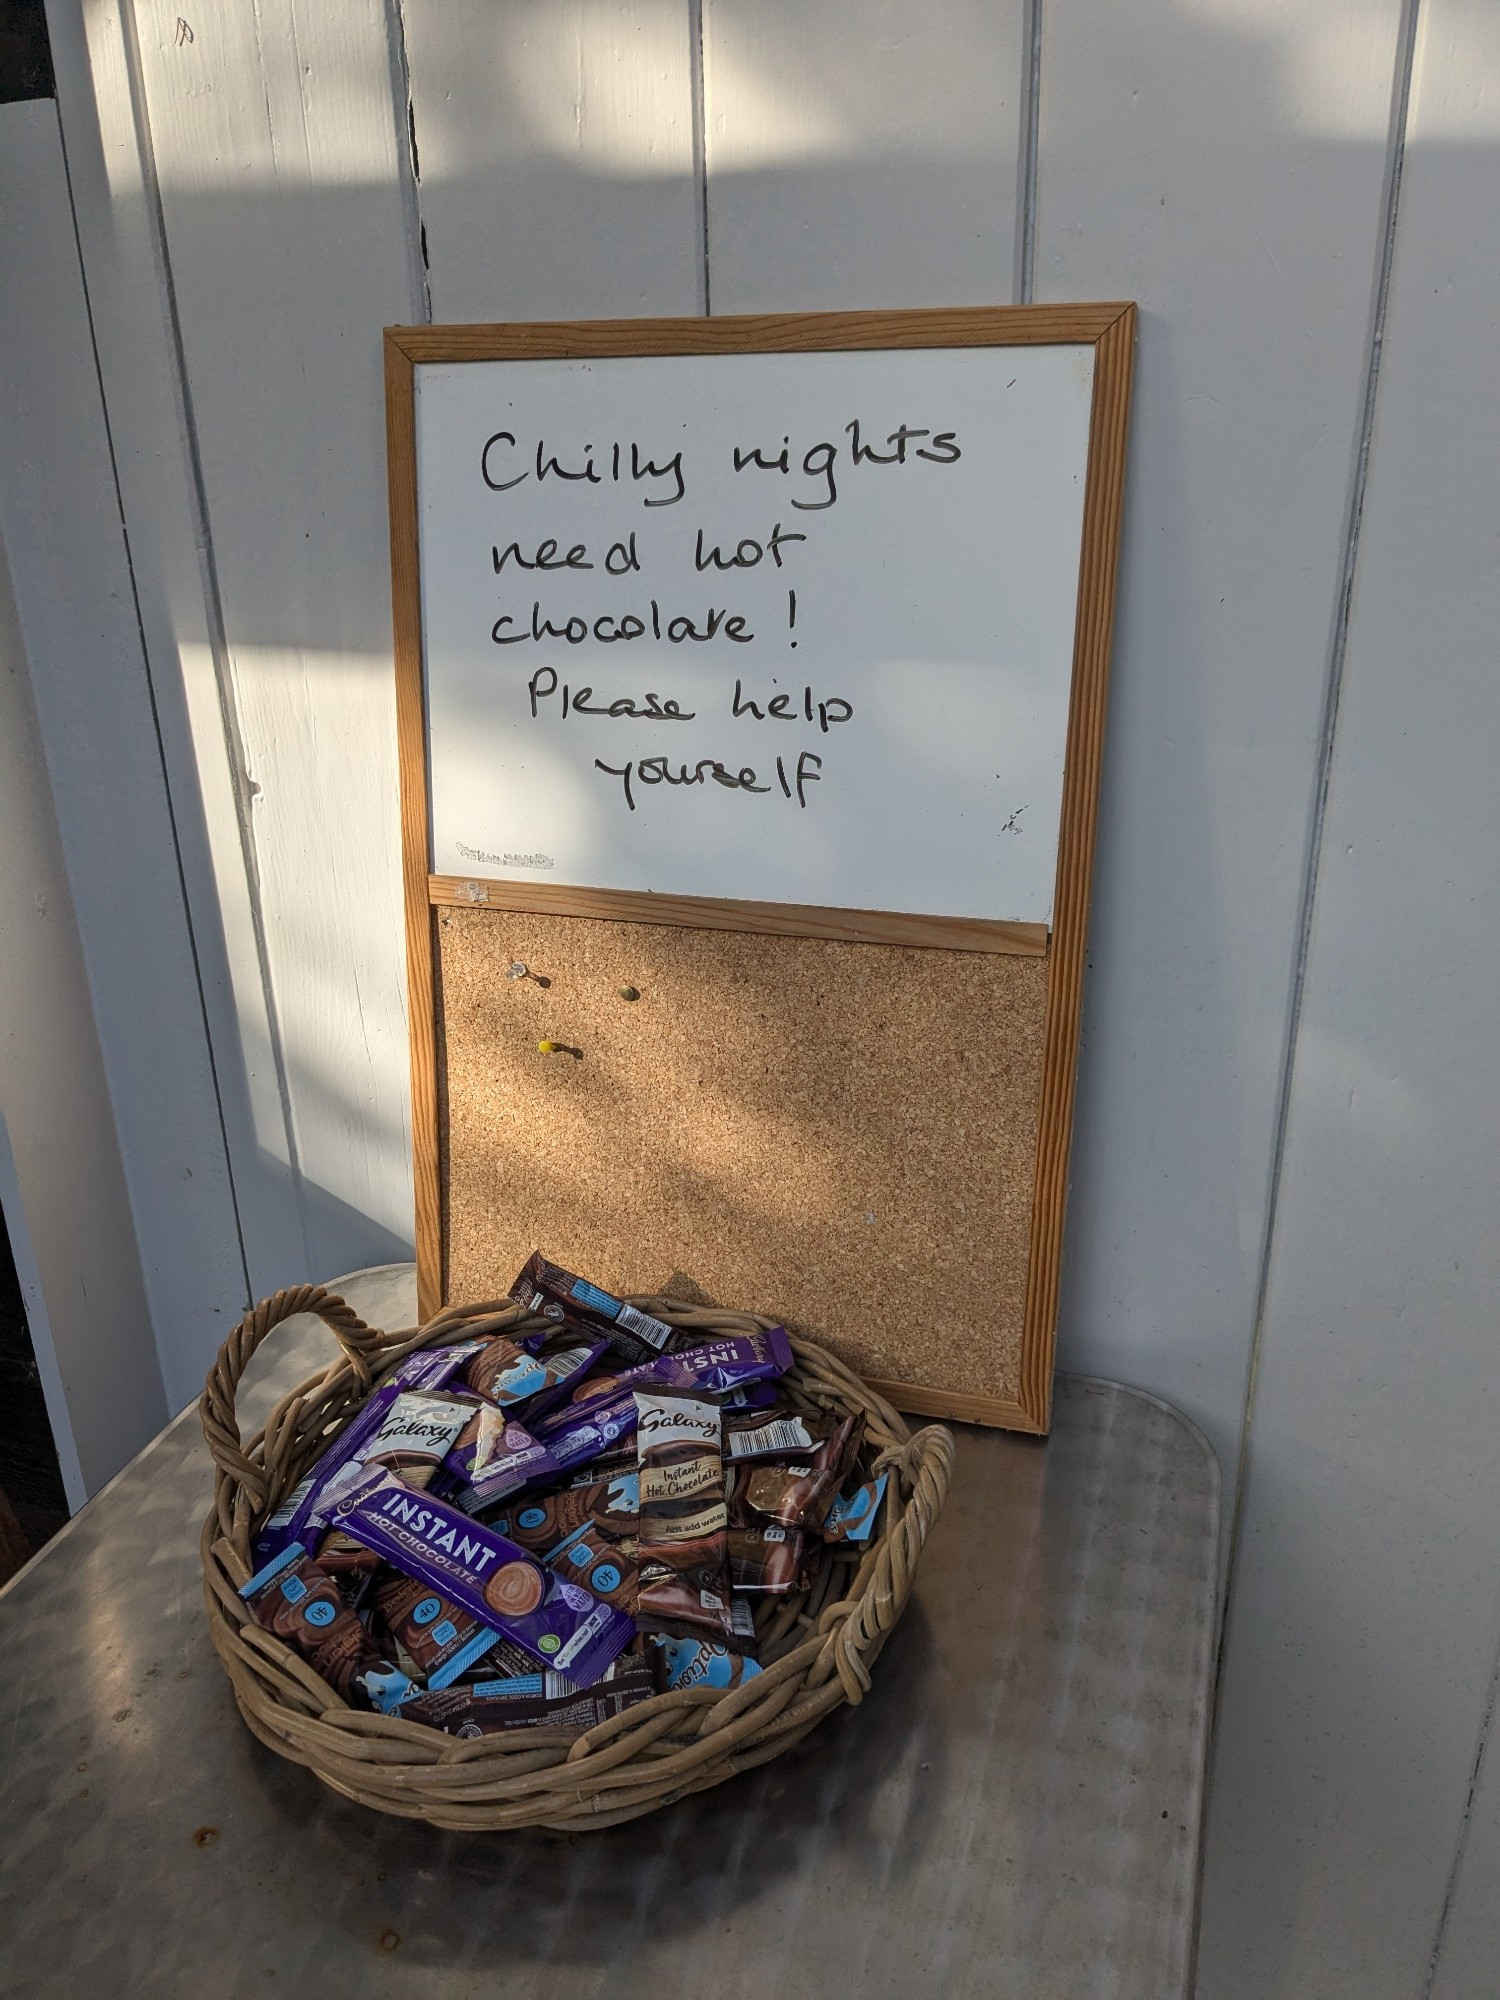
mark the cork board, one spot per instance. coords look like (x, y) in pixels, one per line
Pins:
(842, 1135)
(854, 1118)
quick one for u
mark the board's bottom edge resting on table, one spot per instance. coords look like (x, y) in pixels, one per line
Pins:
(995, 1412)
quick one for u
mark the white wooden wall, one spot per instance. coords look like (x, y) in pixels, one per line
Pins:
(1283, 1210)
(115, 1161)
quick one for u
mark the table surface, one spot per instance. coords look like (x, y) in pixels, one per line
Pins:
(1014, 1810)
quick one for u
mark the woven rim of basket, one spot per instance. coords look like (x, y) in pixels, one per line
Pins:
(817, 1649)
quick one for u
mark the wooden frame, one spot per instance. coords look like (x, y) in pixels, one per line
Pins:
(721, 913)
(1110, 330)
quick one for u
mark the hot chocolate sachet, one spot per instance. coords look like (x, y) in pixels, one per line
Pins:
(413, 1441)
(681, 1551)
(299, 1518)
(492, 1457)
(508, 1374)
(544, 1700)
(801, 1492)
(767, 1561)
(603, 1413)
(547, 1288)
(543, 1522)
(691, 1663)
(560, 1625)
(852, 1517)
(761, 1433)
(301, 1605)
(438, 1637)
(599, 1566)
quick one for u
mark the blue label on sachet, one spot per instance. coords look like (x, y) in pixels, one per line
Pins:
(590, 1295)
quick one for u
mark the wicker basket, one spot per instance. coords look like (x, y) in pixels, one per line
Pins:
(816, 1651)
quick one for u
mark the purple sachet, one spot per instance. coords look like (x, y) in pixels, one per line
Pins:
(754, 1396)
(431, 1367)
(725, 1366)
(731, 1361)
(578, 1435)
(560, 1625)
(492, 1457)
(298, 1518)
(589, 1425)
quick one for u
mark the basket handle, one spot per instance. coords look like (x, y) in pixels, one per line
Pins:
(216, 1409)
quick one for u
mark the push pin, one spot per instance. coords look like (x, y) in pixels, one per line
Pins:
(520, 971)
(559, 1049)
(629, 993)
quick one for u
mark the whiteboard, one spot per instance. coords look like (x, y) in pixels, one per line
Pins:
(783, 628)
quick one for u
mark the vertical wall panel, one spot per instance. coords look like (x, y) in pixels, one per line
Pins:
(1224, 166)
(280, 151)
(70, 1201)
(1363, 1628)
(555, 140)
(60, 519)
(62, 1183)
(111, 182)
(862, 154)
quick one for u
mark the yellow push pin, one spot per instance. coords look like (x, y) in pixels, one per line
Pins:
(559, 1049)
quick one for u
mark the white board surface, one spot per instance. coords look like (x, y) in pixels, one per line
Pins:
(866, 708)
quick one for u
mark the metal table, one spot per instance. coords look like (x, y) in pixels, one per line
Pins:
(1013, 1811)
